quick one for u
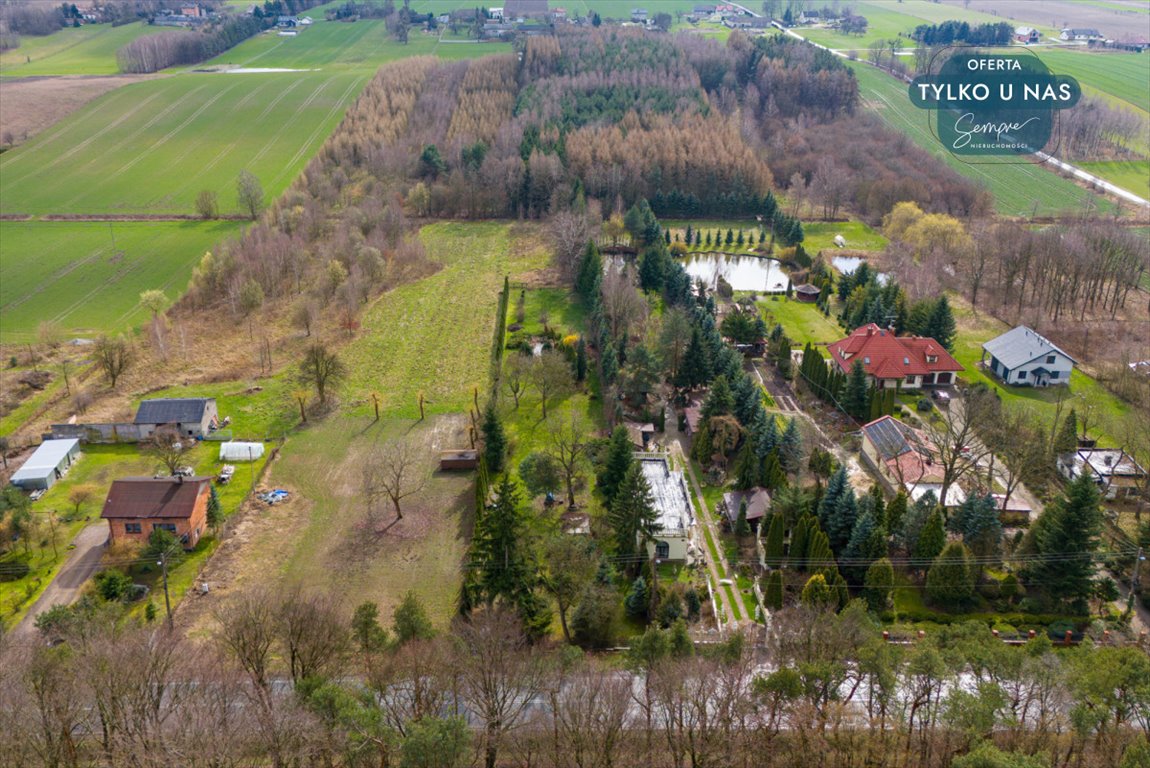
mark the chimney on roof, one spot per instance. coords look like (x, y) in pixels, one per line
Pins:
(870, 330)
(179, 479)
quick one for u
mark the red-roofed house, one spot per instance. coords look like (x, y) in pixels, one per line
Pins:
(907, 361)
(137, 505)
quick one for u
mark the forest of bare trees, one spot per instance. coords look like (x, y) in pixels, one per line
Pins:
(292, 680)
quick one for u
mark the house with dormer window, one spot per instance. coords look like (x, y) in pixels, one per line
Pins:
(890, 361)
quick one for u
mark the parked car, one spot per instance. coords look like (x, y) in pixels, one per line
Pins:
(941, 397)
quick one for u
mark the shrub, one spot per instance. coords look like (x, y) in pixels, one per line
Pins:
(14, 570)
(924, 405)
(113, 585)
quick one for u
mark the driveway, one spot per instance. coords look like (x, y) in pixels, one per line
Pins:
(82, 562)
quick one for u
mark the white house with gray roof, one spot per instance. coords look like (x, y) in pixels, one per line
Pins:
(1026, 358)
(674, 515)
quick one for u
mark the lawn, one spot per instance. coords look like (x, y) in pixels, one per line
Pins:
(98, 466)
(801, 322)
(1020, 189)
(1122, 76)
(818, 235)
(87, 50)
(432, 336)
(362, 45)
(1132, 175)
(887, 20)
(201, 129)
(974, 330)
(88, 276)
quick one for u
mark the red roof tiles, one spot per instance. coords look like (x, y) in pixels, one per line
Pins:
(886, 356)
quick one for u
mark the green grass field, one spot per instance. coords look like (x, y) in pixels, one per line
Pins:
(818, 235)
(72, 274)
(87, 50)
(1124, 76)
(1020, 189)
(888, 20)
(361, 45)
(152, 147)
(802, 322)
(1131, 175)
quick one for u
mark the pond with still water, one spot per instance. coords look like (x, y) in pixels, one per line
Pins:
(744, 273)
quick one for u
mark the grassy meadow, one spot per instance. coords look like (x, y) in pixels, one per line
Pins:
(86, 50)
(87, 277)
(1020, 189)
(152, 147)
(1121, 76)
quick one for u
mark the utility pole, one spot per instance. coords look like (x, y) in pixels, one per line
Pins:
(1137, 566)
(167, 598)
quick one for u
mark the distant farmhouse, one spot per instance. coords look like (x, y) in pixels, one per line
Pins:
(1026, 358)
(526, 9)
(1027, 35)
(1080, 35)
(192, 417)
(891, 361)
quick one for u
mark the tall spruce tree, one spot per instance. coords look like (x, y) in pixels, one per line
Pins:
(720, 401)
(1067, 439)
(791, 448)
(774, 543)
(695, 369)
(932, 539)
(940, 325)
(498, 546)
(494, 440)
(836, 486)
(1065, 538)
(978, 522)
(618, 461)
(856, 397)
(950, 580)
(632, 516)
(842, 522)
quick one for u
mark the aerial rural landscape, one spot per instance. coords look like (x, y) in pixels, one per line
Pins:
(594, 383)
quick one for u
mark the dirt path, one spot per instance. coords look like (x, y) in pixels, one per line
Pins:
(716, 570)
(81, 563)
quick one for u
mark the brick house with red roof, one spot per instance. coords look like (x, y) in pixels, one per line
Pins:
(137, 505)
(891, 361)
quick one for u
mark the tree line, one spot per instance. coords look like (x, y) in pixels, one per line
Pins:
(293, 680)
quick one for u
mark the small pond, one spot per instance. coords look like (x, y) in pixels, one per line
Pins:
(847, 264)
(744, 273)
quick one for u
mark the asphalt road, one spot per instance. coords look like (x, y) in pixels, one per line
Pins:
(82, 562)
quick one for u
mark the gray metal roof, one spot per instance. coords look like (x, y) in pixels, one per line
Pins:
(1020, 345)
(45, 459)
(172, 410)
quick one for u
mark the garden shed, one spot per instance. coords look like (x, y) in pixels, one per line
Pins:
(239, 451)
(47, 464)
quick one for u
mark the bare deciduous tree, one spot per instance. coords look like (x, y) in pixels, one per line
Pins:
(499, 674)
(113, 356)
(169, 447)
(395, 471)
(567, 445)
(322, 368)
(314, 635)
(551, 377)
(515, 376)
(957, 449)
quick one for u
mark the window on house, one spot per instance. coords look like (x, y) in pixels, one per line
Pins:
(1053, 375)
(932, 358)
(170, 527)
(1021, 375)
(1050, 359)
(909, 380)
(132, 528)
(662, 550)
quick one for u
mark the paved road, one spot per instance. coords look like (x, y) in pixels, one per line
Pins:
(81, 563)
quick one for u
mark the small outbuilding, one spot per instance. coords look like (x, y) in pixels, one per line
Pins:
(191, 416)
(461, 459)
(234, 450)
(807, 293)
(640, 434)
(758, 503)
(46, 465)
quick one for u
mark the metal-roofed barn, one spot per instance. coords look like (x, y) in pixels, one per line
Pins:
(192, 416)
(46, 465)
